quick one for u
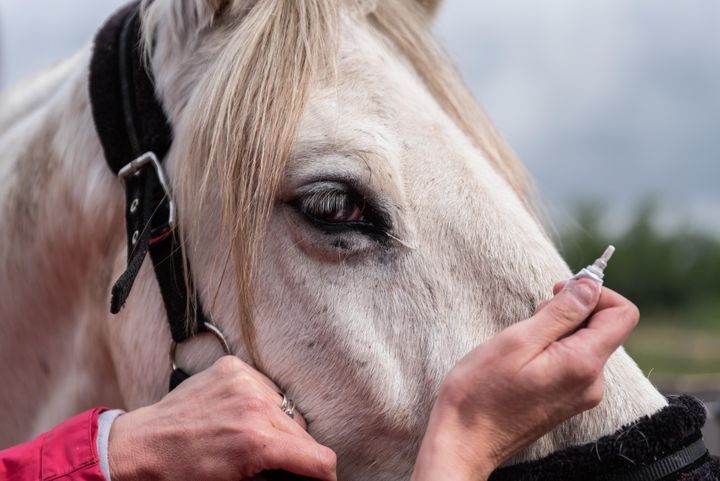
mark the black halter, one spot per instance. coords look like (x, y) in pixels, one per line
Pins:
(136, 136)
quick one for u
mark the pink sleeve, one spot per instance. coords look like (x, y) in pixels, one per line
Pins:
(65, 453)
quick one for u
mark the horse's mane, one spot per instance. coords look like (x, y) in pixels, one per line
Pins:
(247, 107)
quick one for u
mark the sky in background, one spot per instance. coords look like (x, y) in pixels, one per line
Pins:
(605, 100)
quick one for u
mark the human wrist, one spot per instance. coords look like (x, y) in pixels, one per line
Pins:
(105, 421)
(443, 457)
(471, 430)
(460, 449)
(130, 448)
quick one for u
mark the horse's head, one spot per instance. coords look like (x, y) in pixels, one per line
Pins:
(353, 221)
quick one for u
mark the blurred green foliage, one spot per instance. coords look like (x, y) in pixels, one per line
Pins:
(667, 274)
(674, 277)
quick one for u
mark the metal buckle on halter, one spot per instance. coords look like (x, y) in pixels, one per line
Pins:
(212, 329)
(133, 168)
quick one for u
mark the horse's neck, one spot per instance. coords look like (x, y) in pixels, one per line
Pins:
(60, 218)
(628, 396)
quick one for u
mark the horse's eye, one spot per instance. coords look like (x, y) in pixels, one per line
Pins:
(332, 206)
(336, 207)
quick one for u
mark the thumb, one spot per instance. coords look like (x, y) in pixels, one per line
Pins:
(563, 313)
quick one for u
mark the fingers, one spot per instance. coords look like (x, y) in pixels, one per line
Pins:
(260, 377)
(234, 370)
(556, 288)
(610, 298)
(235, 367)
(275, 399)
(606, 330)
(541, 306)
(564, 312)
(298, 419)
(304, 457)
(280, 420)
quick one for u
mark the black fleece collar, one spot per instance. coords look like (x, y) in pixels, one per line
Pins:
(637, 452)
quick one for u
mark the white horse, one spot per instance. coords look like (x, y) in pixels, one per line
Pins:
(354, 222)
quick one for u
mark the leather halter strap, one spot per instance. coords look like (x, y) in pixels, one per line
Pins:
(668, 465)
(656, 471)
(136, 136)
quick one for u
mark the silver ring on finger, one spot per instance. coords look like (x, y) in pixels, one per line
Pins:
(288, 406)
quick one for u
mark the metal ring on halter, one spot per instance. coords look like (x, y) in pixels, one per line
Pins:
(212, 329)
(288, 406)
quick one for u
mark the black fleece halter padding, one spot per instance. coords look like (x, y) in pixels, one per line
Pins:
(666, 446)
(130, 122)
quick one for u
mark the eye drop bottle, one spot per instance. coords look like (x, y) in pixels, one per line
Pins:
(596, 270)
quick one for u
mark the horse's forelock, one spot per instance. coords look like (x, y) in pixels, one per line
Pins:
(242, 121)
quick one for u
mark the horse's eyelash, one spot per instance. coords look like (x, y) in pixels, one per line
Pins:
(325, 201)
(375, 220)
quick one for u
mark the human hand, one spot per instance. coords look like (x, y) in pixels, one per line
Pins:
(517, 386)
(222, 424)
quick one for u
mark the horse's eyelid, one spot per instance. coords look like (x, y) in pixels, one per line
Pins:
(375, 214)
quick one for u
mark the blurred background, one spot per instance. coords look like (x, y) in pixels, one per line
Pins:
(615, 108)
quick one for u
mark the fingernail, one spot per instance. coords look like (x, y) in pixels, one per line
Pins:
(583, 293)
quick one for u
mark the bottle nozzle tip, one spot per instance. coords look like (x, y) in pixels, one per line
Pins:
(601, 262)
(608, 253)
